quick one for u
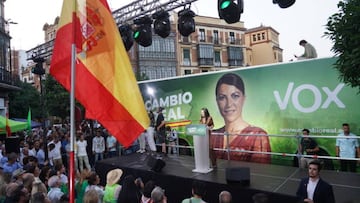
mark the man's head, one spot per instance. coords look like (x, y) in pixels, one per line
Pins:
(302, 42)
(306, 131)
(198, 188)
(160, 109)
(225, 197)
(158, 195)
(314, 169)
(346, 128)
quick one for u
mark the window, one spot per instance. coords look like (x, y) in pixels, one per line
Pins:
(205, 54)
(187, 72)
(186, 55)
(263, 35)
(235, 56)
(232, 37)
(202, 35)
(254, 37)
(216, 37)
(217, 59)
(258, 36)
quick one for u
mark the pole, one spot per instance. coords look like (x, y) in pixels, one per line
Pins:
(72, 108)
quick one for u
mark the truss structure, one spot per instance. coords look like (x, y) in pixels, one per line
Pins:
(126, 14)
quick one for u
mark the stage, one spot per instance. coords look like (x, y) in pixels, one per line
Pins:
(279, 182)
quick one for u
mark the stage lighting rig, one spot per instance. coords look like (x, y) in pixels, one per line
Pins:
(161, 23)
(126, 36)
(143, 32)
(186, 23)
(284, 3)
(230, 11)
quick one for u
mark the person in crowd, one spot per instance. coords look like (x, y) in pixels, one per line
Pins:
(314, 189)
(308, 146)
(81, 185)
(198, 192)
(148, 188)
(60, 171)
(38, 186)
(172, 136)
(38, 152)
(94, 181)
(206, 119)
(112, 188)
(57, 159)
(16, 193)
(148, 136)
(39, 197)
(158, 195)
(28, 179)
(82, 156)
(111, 144)
(54, 193)
(92, 196)
(11, 165)
(52, 153)
(347, 148)
(98, 145)
(45, 174)
(24, 152)
(225, 197)
(230, 98)
(129, 192)
(160, 129)
(309, 50)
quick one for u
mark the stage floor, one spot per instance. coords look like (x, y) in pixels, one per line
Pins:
(280, 182)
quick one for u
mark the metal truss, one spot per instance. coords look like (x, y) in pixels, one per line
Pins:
(126, 14)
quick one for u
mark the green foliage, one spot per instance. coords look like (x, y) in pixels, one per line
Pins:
(57, 99)
(21, 101)
(344, 30)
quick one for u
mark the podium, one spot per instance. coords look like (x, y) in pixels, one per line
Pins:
(201, 147)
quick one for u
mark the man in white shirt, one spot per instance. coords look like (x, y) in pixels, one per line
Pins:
(347, 148)
(111, 146)
(98, 145)
(82, 156)
(313, 188)
(54, 193)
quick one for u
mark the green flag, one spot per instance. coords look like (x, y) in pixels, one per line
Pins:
(29, 120)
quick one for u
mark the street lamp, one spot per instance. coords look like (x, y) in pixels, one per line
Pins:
(7, 29)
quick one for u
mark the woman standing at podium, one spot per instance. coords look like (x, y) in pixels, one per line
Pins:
(206, 119)
(230, 98)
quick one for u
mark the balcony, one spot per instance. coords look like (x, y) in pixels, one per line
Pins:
(5, 77)
(233, 41)
(206, 61)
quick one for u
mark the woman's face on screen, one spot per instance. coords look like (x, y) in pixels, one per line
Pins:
(230, 101)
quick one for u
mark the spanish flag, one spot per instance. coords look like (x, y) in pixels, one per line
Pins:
(105, 82)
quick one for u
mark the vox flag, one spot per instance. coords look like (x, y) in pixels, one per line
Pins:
(104, 81)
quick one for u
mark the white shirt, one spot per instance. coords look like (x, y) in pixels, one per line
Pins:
(55, 194)
(57, 149)
(98, 144)
(81, 148)
(311, 188)
(111, 143)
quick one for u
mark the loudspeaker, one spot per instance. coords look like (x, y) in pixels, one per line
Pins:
(155, 164)
(238, 175)
(12, 144)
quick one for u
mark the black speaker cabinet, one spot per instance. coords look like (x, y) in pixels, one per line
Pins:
(238, 175)
(155, 164)
(12, 144)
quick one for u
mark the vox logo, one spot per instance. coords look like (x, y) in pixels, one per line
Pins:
(292, 95)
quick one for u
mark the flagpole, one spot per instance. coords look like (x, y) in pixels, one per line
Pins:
(72, 109)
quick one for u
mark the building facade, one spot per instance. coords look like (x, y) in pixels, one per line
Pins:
(7, 80)
(263, 46)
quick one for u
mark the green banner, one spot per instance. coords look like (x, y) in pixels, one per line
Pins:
(281, 99)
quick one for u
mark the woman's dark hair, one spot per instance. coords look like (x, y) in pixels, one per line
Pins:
(206, 112)
(129, 192)
(92, 178)
(44, 173)
(231, 79)
(148, 188)
(198, 188)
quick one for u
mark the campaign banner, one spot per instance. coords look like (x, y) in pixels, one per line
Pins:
(279, 99)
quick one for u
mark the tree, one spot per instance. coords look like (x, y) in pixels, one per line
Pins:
(344, 30)
(57, 99)
(21, 101)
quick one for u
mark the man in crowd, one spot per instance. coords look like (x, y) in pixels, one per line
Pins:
(347, 148)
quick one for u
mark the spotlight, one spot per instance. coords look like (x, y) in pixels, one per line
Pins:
(126, 35)
(186, 23)
(161, 23)
(284, 3)
(143, 32)
(230, 11)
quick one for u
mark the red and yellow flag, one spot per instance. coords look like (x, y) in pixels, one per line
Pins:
(105, 82)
